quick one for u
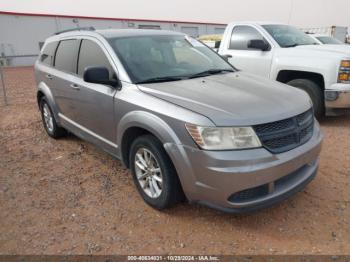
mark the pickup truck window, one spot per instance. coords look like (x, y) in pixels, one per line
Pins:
(166, 57)
(91, 54)
(241, 35)
(66, 55)
(289, 36)
(328, 40)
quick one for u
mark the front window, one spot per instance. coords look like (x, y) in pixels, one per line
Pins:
(160, 58)
(289, 36)
(327, 40)
(241, 35)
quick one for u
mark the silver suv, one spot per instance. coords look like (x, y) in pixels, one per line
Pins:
(187, 124)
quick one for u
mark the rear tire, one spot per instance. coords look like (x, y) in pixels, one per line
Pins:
(160, 189)
(314, 91)
(49, 122)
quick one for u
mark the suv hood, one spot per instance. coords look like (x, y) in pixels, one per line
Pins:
(233, 98)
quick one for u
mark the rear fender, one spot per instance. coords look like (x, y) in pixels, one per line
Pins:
(45, 90)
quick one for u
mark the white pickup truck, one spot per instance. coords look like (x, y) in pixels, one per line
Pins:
(286, 54)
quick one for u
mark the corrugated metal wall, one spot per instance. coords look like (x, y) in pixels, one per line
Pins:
(21, 35)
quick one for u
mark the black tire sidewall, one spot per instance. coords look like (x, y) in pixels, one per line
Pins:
(167, 196)
(55, 133)
(315, 93)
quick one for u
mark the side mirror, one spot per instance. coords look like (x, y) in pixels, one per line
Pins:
(99, 75)
(226, 57)
(258, 44)
(217, 44)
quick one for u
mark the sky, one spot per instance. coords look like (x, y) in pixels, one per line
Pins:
(302, 13)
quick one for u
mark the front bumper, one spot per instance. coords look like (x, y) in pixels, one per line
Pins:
(245, 180)
(338, 96)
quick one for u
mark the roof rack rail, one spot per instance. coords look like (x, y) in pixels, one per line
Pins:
(89, 28)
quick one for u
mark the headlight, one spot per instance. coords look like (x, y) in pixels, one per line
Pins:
(223, 138)
(344, 72)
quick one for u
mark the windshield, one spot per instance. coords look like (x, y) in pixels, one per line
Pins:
(289, 36)
(327, 40)
(159, 58)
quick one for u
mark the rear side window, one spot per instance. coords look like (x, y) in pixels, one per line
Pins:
(91, 54)
(241, 35)
(66, 55)
(48, 53)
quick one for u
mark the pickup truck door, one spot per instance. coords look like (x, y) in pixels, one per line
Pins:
(244, 58)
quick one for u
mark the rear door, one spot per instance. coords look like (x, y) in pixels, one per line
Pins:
(245, 58)
(64, 76)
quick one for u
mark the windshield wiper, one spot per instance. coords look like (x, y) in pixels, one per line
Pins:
(294, 45)
(291, 45)
(160, 79)
(210, 72)
(178, 78)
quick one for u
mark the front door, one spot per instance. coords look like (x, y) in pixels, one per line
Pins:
(95, 108)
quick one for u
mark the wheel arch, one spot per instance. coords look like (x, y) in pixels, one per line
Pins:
(137, 123)
(44, 91)
(284, 76)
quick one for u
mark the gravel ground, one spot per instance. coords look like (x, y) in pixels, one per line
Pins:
(68, 197)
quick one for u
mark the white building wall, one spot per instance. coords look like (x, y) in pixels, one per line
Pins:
(21, 34)
(303, 13)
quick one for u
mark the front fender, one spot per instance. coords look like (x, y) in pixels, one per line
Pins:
(149, 122)
(170, 140)
(325, 67)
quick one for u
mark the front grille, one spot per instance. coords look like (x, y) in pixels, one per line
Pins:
(284, 135)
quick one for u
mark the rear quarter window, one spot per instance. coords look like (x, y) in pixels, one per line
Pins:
(48, 53)
(66, 55)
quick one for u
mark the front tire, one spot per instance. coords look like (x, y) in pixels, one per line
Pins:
(49, 122)
(154, 174)
(314, 91)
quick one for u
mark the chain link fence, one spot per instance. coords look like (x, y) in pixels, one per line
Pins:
(5, 65)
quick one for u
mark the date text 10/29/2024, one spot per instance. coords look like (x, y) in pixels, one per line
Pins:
(173, 258)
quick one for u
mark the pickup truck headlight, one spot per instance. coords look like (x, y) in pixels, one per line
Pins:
(344, 72)
(223, 138)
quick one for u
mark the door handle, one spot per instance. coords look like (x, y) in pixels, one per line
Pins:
(75, 86)
(48, 76)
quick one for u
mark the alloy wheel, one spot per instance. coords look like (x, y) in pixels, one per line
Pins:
(148, 173)
(48, 117)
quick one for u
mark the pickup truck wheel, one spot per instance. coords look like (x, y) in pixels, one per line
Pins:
(154, 174)
(49, 122)
(314, 91)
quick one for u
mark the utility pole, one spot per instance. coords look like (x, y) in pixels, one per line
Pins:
(290, 11)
